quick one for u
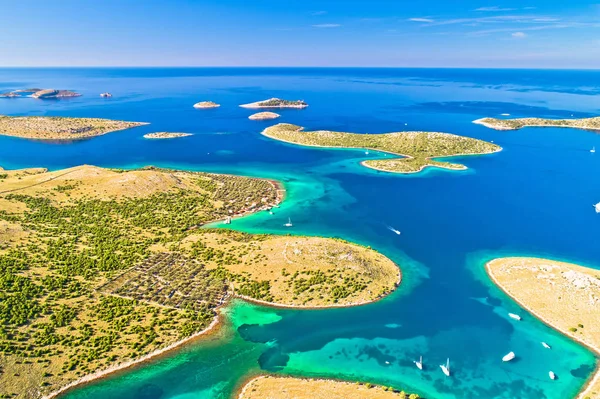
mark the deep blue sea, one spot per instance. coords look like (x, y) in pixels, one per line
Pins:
(533, 198)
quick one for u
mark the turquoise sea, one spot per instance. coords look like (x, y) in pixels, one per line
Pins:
(533, 198)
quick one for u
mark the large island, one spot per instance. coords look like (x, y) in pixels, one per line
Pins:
(563, 295)
(514, 124)
(102, 268)
(60, 128)
(417, 148)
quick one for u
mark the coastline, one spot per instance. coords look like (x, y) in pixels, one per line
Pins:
(595, 376)
(363, 163)
(212, 328)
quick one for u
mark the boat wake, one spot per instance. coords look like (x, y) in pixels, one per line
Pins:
(390, 228)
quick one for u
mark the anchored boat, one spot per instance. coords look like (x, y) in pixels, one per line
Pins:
(289, 223)
(446, 368)
(514, 316)
(545, 345)
(419, 363)
(508, 357)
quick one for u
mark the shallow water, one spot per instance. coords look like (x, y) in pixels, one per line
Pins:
(533, 198)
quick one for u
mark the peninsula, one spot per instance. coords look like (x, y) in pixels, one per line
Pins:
(86, 255)
(272, 387)
(262, 116)
(515, 124)
(41, 93)
(418, 149)
(563, 295)
(276, 103)
(59, 128)
(166, 135)
(206, 104)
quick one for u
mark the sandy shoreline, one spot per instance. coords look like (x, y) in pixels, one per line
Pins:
(213, 327)
(386, 152)
(595, 377)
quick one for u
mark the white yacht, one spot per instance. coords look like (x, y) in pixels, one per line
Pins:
(514, 316)
(593, 150)
(508, 357)
(446, 368)
(545, 345)
(289, 223)
(597, 206)
(419, 363)
(552, 375)
(367, 152)
(228, 220)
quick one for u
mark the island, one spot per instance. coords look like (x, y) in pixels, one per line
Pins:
(418, 148)
(88, 255)
(563, 295)
(273, 387)
(262, 116)
(206, 104)
(60, 128)
(276, 103)
(515, 124)
(166, 135)
(41, 93)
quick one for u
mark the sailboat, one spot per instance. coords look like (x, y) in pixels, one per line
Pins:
(419, 364)
(593, 150)
(514, 316)
(508, 357)
(446, 368)
(228, 220)
(289, 223)
(545, 345)
(552, 375)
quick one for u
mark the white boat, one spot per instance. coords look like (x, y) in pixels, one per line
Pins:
(446, 368)
(545, 345)
(228, 220)
(593, 150)
(505, 114)
(597, 206)
(390, 228)
(289, 223)
(552, 375)
(514, 316)
(367, 152)
(106, 95)
(508, 357)
(270, 212)
(419, 364)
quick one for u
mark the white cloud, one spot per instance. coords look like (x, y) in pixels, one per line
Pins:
(519, 35)
(420, 20)
(494, 9)
(326, 26)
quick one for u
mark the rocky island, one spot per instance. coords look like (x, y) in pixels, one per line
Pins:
(89, 252)
(515, 124)
(206, 104)
(166, 135)
(41, 93)
(418, 148)
(272, 387)
(563, 295)
(263, 116)
(60, 128)
(276, 103)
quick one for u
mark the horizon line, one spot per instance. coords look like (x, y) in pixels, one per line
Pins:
(290, 67)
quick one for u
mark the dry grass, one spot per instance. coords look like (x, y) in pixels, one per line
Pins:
(564, 295)
(299, 388)
(514, 124)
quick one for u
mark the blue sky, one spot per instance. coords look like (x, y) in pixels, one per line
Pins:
(431, 33)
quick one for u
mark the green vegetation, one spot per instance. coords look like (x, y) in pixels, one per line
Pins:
(276, 103)
(514, 124)
(418, 147)
(70, 301)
